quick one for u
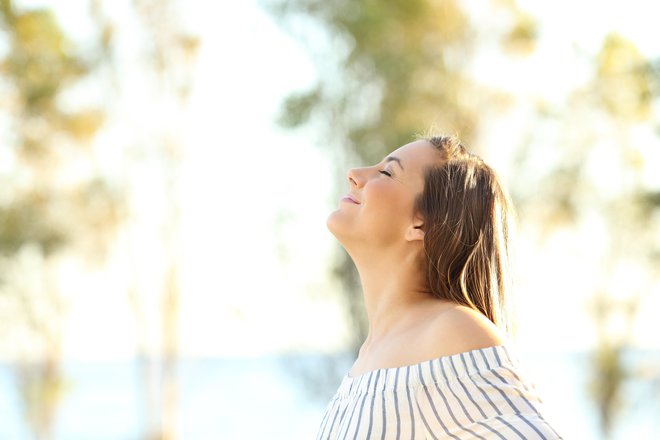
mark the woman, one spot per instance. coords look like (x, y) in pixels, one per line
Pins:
(427, 231)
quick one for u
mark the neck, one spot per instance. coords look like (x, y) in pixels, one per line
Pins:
(394, 290)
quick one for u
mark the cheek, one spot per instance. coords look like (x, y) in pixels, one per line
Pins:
(384, 198)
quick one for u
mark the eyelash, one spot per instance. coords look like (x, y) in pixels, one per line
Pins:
(385, 172)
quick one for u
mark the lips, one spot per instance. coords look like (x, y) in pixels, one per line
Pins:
(351, 198)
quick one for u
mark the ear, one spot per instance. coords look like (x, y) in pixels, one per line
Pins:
(416, 230)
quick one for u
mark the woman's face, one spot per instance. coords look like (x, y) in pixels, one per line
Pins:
(384, 194)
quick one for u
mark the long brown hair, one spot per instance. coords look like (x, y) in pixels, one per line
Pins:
(467, 216)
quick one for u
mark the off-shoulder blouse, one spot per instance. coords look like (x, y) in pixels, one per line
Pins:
(477, 394)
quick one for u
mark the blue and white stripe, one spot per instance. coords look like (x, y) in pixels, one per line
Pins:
(478, 394)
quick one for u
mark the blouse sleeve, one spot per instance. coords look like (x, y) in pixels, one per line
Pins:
(484, 403)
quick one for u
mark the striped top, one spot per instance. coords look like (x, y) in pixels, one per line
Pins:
(477, 394)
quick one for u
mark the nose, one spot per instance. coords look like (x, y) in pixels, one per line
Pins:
(353, 178)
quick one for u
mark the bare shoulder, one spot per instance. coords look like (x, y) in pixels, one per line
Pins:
(459, 329)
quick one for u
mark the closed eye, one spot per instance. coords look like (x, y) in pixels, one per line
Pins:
(385, 172)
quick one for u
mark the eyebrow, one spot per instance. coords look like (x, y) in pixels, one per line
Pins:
(392, 158)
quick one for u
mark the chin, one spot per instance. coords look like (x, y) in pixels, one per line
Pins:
(337, 225)
(331, 221)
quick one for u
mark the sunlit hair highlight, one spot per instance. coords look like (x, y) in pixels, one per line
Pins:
(466, 216)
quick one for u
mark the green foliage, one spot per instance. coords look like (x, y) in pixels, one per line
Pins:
(403, 72)
(30, 220)
(40, 63)
(624, 80)
(44, 208)
(522, 37)
(298, 107)
(40, 66)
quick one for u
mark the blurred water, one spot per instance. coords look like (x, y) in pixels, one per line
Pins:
(283, 397)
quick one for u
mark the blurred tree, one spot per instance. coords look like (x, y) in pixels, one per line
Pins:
(172, 51)
(623, 87)
(168, 52)
(50, 209)
(596, 130)
(48, 206)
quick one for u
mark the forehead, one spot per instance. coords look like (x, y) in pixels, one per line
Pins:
(417, 155)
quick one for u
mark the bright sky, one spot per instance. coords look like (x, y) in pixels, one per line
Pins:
(256, 198)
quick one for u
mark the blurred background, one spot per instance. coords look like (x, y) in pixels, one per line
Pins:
(166, 170)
